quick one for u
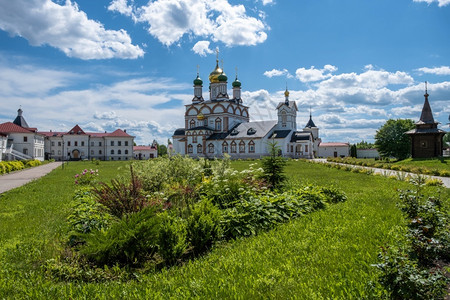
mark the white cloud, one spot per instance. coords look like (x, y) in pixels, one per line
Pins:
(440, 2)
(65, 27)
(122, 7)
(267, 2)
(275, 73)
(444, 70)
(218, 20)
(202, 48)
(313, 74)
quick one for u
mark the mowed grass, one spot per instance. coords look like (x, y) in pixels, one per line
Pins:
(324, 255)
(442, 163)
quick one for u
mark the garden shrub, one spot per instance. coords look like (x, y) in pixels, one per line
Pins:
(86, 215)
(403, 279)
(444, 173)
(120, 197)
(333, 194)
(171, 238)
(32, 163)
(204, 226)
(414, 270)
(131, 241)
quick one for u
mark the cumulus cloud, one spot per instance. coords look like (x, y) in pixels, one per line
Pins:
(275, 73)
(313, 74)
(170, 20)
(444, 70)
(266, 2)
(202, 48)
(65, 27)
(440, 2)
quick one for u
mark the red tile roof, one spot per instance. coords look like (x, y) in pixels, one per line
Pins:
(76, 130)
(137, 148)
(334, 144)
(51, 133)
(119, 133)
(13, 128)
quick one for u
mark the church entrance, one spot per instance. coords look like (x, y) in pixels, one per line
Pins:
(75, 154)
(298, 151)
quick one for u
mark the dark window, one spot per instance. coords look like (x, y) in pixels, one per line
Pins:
(59, 144)
(126, 151)
(100, 144)
(76, 143)
(126, 143)
(112, 143)
(112, 151)
(119, 143)
(68, 143)
(25, 139)
(119, 151)
(82, 143)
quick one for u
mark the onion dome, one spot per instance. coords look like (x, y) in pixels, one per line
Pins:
(286, 93)
(236, 83)
(198, 81)
(214, 75)
(200, 117)
(222, 77)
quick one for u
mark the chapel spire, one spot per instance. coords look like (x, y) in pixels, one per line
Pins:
(427, 116)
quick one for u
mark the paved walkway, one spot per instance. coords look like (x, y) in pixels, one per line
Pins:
(445, 180)
(19, 178)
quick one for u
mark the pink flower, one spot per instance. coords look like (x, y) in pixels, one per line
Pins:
(76, 175)
(76, 181)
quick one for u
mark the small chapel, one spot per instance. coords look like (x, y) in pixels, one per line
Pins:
(426, 138)
(221, 124)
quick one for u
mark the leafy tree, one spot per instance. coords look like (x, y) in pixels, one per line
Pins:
(391, 140)
(273, 166)
(446, 140)
(364, 145)
(162, 150)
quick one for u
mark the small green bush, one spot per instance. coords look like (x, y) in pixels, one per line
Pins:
(204, 226)
(86, 215)
(171, 238)
(131, 241)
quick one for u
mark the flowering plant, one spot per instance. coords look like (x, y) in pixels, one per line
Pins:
(86, 177)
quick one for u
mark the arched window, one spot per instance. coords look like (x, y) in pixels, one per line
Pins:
(242, 147)
(211, 148)
(190, 148)
(224, 147)
(199, 148)
(119, 151)
(126, 151)
(283, 119)
(251, 147)
(112, 151)
(218, 124)
(233, 147)
(192, 124)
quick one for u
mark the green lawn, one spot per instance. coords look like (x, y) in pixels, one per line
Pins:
(326, 254)
(431, 163)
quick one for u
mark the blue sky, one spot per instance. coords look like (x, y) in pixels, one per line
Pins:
(130, 64)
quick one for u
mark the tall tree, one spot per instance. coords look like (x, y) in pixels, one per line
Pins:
(391, 140)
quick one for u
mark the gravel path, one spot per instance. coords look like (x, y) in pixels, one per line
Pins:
(19, 178)
(445, 180)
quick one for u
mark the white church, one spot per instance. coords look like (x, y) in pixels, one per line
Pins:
(222, 125)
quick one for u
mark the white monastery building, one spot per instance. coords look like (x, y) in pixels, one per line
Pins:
(222, 125)
(22, 141)
(145, 152)
(19, 141)
(334, 149)
(77, 144)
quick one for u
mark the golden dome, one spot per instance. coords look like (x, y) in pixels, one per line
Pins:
(214, 76)
(286, 93)
(200, 116)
